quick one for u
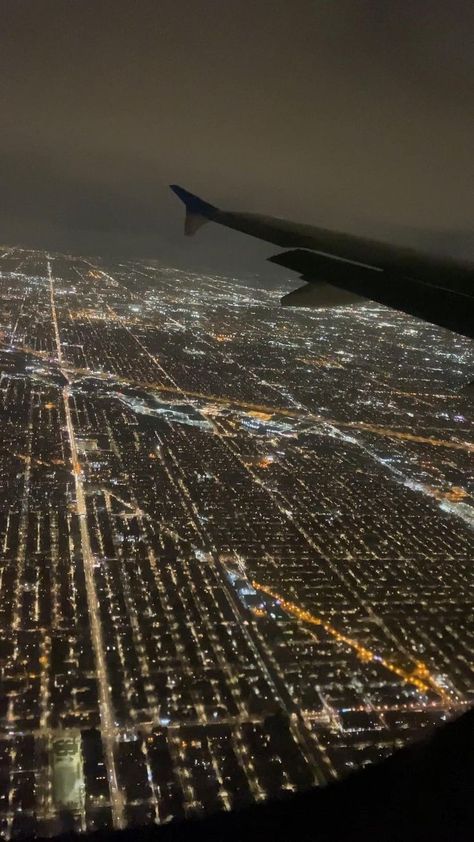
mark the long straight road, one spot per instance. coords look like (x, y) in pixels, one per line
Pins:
(105, 702)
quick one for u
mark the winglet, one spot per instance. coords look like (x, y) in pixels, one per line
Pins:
(198, 212)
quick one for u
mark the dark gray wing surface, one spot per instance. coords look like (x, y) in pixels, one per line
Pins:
(342, 269)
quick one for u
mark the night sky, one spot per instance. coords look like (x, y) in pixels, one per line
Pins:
(353, 114)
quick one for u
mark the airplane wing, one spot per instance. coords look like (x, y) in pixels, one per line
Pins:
(341, 269)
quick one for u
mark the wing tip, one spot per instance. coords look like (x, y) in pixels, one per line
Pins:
(180, 192)
(193, 203)
(198, 212)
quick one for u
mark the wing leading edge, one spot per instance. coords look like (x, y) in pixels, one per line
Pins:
(342, 269)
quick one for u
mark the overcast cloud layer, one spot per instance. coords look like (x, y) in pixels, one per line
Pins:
(353, 114)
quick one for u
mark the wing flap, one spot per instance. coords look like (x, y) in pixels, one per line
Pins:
(443, 307)
(319, 296)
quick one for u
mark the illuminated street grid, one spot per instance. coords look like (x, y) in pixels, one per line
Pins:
(236, 541)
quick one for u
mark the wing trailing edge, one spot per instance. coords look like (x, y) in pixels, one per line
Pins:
(444, 307)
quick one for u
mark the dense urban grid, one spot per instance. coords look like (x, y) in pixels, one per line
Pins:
(236, 541)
